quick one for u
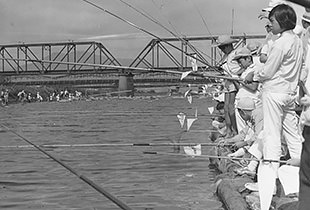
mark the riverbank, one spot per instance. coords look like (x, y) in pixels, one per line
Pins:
(240, 192)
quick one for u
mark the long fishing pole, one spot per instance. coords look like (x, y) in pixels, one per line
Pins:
(147, 32)
(73, 171)
(126, 68)
(167, 29)
(114, 145)
(213, 156)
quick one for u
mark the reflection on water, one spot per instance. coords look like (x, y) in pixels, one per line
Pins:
(30, 180)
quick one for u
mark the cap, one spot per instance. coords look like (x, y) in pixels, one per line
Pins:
(242, 52)
(246, 103)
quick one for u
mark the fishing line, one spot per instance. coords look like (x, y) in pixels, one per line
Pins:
(111, 197)
(113, 145)
(176, 34)
(213, 156)
(202, 75)
(147, 32)
(202, 18)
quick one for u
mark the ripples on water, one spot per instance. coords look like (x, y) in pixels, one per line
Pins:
(30, 180)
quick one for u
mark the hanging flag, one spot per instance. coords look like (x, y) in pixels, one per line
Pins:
(211, 109)
(193, 150)
(194, 62)
(181, 116)
(187, 92)
(190, 122)
(190, 99)
(184, 74)
(196, 113)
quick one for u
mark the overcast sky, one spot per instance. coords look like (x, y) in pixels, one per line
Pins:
(62, 20)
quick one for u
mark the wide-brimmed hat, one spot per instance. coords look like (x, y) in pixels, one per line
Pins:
(306, 17)
(272, 4)
(246, 103)
(223, 40)
(242, 52)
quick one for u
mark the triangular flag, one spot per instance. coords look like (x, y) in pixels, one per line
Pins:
(190, 99)
(211, 109)
(181, 116)
(184, 74)
(190, 122)
(196, 113)
(193, 150)
(187, 92)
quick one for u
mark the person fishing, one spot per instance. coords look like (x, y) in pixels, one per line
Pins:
(304, 172)
(231, 67)
(244, 58)
(279, 77)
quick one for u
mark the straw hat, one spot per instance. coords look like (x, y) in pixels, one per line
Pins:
(224, 40)
(272, 4)
(242, 52)
(306, 17)
(246, 103)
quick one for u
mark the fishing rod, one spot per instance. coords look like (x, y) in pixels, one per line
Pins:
(167, 29)
(114, 145)
(108, 195)
(214, 156)
(147, 32)
(126, 68)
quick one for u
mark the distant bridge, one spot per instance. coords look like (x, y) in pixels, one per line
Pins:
(92, 58)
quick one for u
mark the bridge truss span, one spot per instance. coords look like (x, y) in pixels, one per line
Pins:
(59, 58)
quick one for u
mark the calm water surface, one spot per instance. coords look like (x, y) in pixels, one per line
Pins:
(30, 180)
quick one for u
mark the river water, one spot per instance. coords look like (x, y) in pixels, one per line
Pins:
(30, 180)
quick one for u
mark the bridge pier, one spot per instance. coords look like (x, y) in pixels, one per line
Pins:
(126, 84)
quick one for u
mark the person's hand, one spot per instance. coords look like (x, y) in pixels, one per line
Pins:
(221, 142)
(249, 78)
(293, 162)
(305, 101)
(239, 144)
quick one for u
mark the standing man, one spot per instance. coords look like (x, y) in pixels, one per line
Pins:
(231, 68)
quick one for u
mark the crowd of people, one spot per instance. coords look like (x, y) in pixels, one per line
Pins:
(27, 97)
(258, 116)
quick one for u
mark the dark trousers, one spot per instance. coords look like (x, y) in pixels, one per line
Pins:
(304, 173)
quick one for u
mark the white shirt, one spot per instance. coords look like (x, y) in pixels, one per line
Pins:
(243, 92)
(281, 71)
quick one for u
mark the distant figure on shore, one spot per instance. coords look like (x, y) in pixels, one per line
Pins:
(39, 97)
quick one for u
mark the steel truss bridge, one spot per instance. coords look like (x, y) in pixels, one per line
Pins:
(93, 58)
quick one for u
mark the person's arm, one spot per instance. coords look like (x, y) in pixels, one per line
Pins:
(272, 64)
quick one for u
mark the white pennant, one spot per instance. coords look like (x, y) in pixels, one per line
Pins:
(187, 92)
(190, 122)
(184, 74)
(181, 116)
(190, 99)
(196, 113)
(194, 63)
(193, 150)
(211, 109)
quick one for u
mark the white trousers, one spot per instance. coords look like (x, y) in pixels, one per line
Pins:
(289, 178)
(278, 121)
